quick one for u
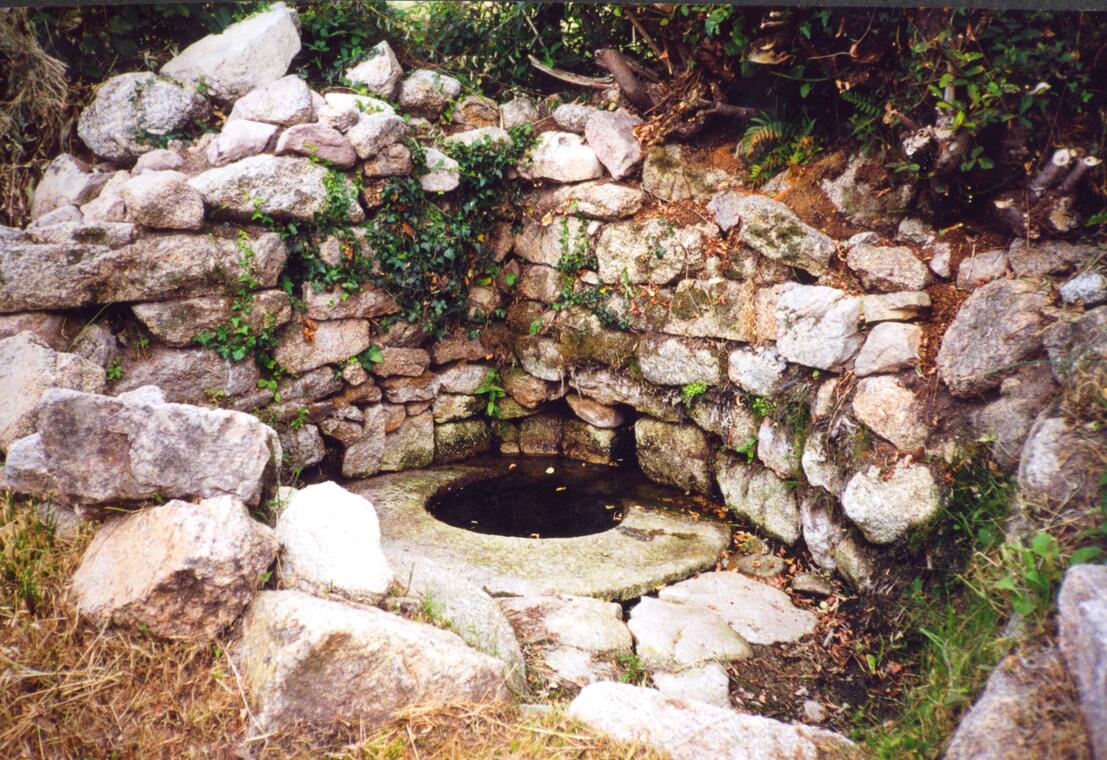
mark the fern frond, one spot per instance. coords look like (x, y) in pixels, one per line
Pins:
(862, 103)
(763, 130)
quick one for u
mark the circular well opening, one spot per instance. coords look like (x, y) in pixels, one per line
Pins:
(538, 497)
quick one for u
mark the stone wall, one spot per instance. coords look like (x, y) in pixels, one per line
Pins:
(818, 383)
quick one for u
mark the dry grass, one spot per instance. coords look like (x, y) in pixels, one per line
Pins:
(71, 690)
(34, 118)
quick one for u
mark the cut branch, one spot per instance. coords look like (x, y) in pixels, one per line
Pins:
(1083, 166)
(1051, 172)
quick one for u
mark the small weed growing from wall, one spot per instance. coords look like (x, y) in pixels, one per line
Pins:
(577, 255)
(491, 389)
(236, 339)
(691, 391)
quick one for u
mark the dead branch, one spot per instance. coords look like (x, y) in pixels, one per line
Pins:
(625, 79)
(596, 83)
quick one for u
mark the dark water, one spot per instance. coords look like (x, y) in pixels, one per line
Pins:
(576, 499)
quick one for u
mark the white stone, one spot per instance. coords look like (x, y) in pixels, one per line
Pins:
(330, 544)
(127, 109)
(888, 307)
(726, 208)
(1089, 288)
(606, 201)
(374, 133)
(708, 683)
(577, 636)
(997, 326)
(819, 468)
(671, 636)
(317, 141)
(692, 730)
(28, 368)
(771, 229)
(981, 268)
(885, 505)
(287, 187)
(153, 267)
(285, 102)
(333, 342)
(442, 174)
(890, 409)
(251, 52)
(758, 495)
(163, 199)
(177, 570)
(573, 117)
(668, 360)
(359, 104)
(379, 71)
(159, 160)
(561, 157)
(760, 613)
(167, 450)
(891, 346)
(651, 250)
(1082, 623)
(940, 260)
(239, 139)
(759, 370)
(822, 530)
(611, 135)
(477, 135)
(542, 244)
(519, 111)
(888, 268)
(912, 230)
(817, 325)
(427, 93)
(467, 610)
(776, 450)
(322, 663)
(66, 182)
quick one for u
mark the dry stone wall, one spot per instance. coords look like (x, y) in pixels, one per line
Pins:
(818, 383)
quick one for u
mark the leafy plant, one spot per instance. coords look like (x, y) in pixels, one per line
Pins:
(297, 422)
(492, 391)
(762, 407)
(576, 253)
(691, 391)
(594, 298)
(634, 671)
(370, 357)
(336, 36)
(425, 255)
(114, 371)
(238, 338)
(749, 448)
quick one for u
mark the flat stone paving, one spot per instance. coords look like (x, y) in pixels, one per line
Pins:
(649, 549)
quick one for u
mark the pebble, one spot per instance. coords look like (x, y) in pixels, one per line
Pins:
(760, 565)
(813, 712)
(809, 583)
